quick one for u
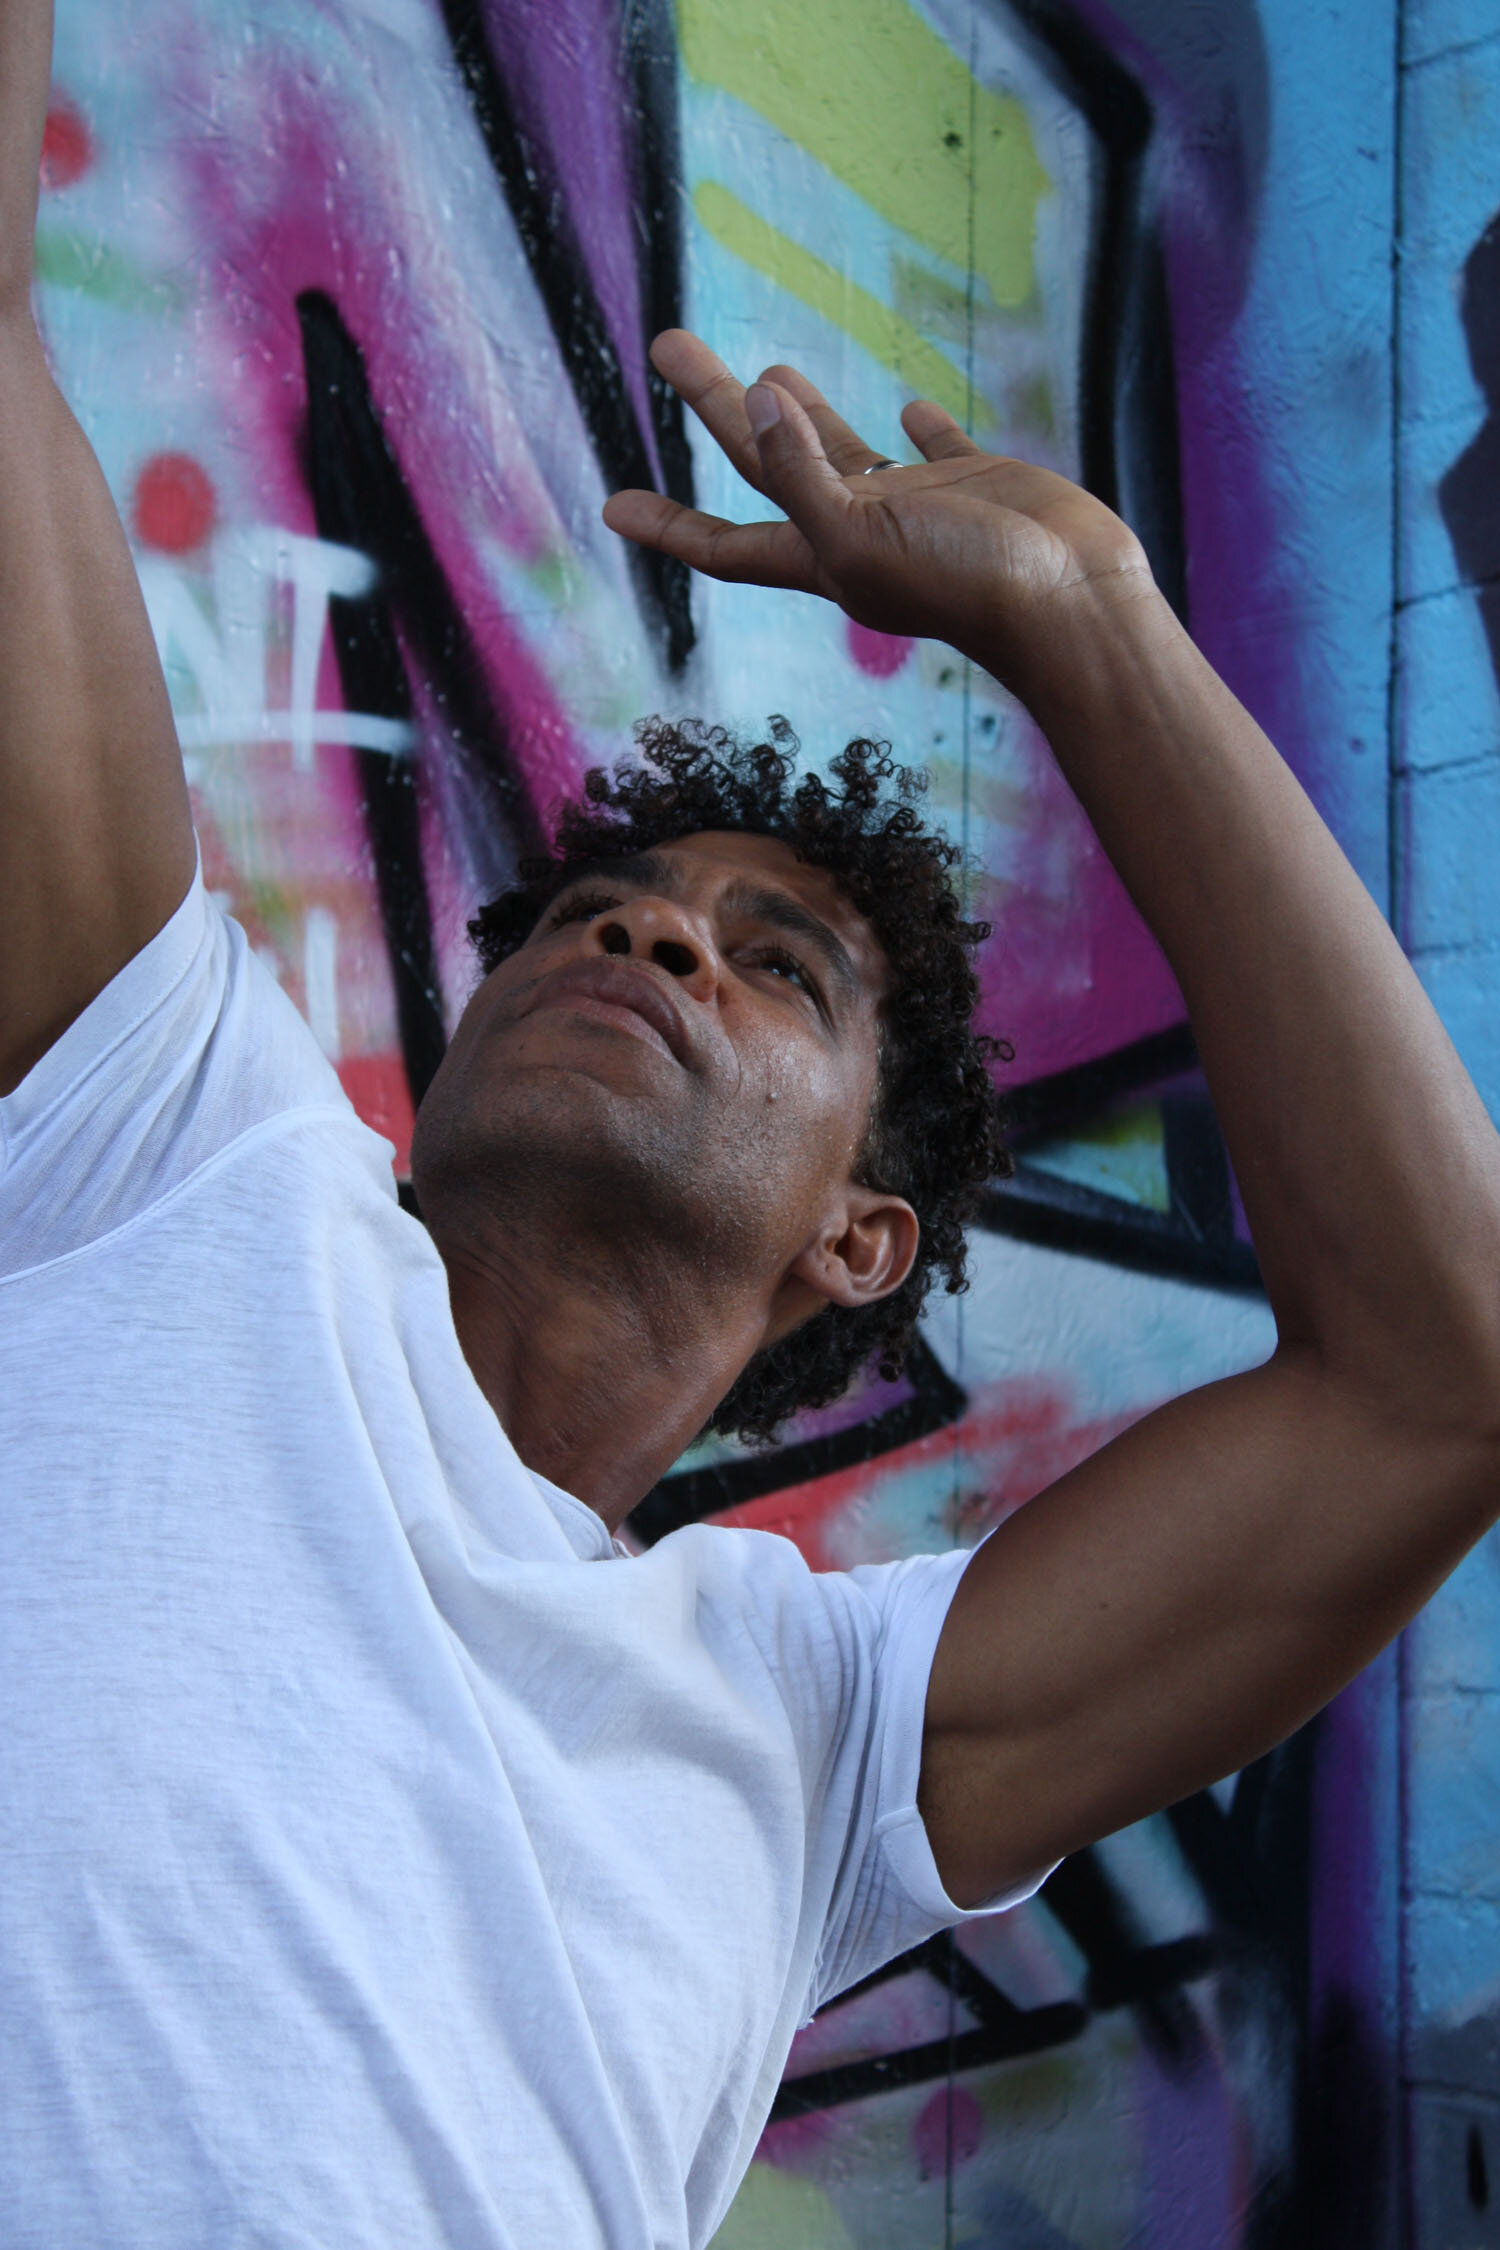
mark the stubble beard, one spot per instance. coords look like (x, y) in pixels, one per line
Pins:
(594, 1191)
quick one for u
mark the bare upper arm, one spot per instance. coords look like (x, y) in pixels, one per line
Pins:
(1177, 1605)
(96, 839)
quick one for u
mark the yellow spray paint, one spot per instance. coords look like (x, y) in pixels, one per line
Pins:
(919, 365)
(881, 101)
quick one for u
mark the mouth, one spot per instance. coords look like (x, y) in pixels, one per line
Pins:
(626, 999)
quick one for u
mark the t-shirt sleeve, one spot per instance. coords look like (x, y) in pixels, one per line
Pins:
(888, 1895)
(189, 1048)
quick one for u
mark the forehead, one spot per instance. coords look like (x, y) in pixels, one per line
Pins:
(714, 859)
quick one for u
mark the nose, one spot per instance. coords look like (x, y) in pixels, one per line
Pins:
(669, 934)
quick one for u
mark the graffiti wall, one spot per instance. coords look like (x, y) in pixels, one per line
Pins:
(1446, 820)
(353, 299)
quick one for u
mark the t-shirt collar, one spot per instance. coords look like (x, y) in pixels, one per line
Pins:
(586, 1533)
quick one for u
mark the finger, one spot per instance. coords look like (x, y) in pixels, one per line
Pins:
(794, 470)
(759, 554)
(703, 382)
(934, 432)
(845, 448)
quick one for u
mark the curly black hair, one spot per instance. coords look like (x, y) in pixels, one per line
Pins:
(934, 1135)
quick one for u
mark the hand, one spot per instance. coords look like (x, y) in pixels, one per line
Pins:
(989, 554)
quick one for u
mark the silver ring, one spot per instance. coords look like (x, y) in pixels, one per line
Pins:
(874, 465)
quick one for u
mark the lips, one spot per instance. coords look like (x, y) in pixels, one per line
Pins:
(616, 985)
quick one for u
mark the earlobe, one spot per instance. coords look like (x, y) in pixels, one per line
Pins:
(860, 1258)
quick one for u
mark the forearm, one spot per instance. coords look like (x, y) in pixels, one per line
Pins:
(96, 836)
(25, 72)
(1370, 1173)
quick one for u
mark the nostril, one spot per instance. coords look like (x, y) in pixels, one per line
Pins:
(677, 960)
(615, 938)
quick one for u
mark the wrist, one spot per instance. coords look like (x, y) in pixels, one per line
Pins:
(1075, 655)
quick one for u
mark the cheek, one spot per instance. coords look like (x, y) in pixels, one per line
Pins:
(811, 1111)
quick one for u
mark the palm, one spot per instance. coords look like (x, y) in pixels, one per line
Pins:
(964, 546)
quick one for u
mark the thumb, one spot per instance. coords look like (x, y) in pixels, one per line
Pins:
(795, 472)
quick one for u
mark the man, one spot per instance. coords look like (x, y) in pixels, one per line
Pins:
(375, 1872)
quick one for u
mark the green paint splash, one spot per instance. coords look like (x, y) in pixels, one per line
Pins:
(77, 262)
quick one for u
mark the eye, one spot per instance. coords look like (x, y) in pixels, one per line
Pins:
(582, 906)
(784, 964)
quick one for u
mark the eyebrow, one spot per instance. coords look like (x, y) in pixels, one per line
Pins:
(780, 911)
(758, 902)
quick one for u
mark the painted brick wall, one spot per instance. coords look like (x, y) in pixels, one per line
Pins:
(1446, 766)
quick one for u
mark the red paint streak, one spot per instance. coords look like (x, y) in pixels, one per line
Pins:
(376, 1084)
(174, 504)
(794, 2141)
(803, 1512)
(930, 2133)
(1018, 1438)
(67, 146)
(881, 655)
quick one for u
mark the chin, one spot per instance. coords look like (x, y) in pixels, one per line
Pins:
(558, 1154)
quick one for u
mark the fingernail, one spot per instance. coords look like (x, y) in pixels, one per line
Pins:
(762, 408)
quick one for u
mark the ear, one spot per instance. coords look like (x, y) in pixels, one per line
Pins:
(866, 1249)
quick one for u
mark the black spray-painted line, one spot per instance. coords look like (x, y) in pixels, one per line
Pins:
(1005, 2032)
(649, 46)
(1043, 1108)
(1056, 1214)
(1197, 1169)
(1195, 1239)
(565, 285)
(1469, 493)
(936, 1402)
(1123, 1970)
(340, 430)
(361, 500)
(1127, 392)
(1255, 1936)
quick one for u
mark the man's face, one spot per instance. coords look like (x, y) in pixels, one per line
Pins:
(685, 1049)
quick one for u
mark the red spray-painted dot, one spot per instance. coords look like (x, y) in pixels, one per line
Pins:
(880, 654)
(67, 146)
(793, 2141)
(174, 504)
(930, 2132)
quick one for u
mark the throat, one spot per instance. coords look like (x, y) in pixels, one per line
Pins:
(599, 1381)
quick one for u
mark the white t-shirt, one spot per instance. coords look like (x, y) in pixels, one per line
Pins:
(387, 1858)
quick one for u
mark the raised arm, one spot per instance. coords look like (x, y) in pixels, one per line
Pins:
(96, 839)
(1184, 1599)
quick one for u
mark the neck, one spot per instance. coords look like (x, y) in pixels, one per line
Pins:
(599, 1378)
